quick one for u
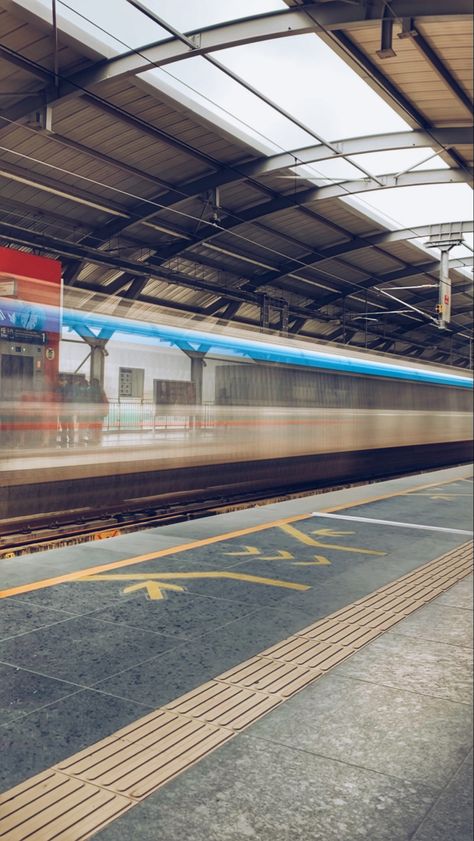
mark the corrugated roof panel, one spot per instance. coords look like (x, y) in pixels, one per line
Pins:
(347, 217)
(372, 260)
(404, 70)
(240, 194)
(30, 196)
(31, 202)
(466, 153)
(74, 168)
(140, 99)
(262, 240)
(314, 232)
(335, 270)
(35, 42)
(452, 41)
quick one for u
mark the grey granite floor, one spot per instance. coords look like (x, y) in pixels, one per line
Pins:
(369, 752)
(383, 738)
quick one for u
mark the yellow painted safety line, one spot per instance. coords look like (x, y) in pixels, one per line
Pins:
(196, 544)
(165, 576)
(433, 495)
(83, 793)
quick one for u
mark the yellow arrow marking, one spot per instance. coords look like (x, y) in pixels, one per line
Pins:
(42, 583)
(234, 576)
(331, 532)
(283, 555)
(249, 550)
(305, 538)
(154, 588)
(320, 561)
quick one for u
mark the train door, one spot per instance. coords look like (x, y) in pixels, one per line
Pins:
(16, 375)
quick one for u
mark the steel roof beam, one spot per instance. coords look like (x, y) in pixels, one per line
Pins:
(143, 211)
(354, 244)
(25, 63)
(210, 229)
(66, 248)
(137, 269)
(416, 139)
(431, 267)
(278, 24)
(284, 202)
(150, 268)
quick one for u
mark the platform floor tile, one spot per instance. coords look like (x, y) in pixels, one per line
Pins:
(451, 817)
(460, 595)
(396, 732)
(82, 650)
(17, 617)
(440, 623)
(33, 742)
(22, 692)
(254, 789)
(164, 678)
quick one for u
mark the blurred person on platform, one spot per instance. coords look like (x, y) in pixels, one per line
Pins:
(98, 411)
(66, 398)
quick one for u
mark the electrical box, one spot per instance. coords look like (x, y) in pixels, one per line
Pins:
(131, 382)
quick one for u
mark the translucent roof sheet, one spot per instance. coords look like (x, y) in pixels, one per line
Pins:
(186, 15)
(315, 85)
(430, 204)
(115, 24)
(121, 26)
(228, 100)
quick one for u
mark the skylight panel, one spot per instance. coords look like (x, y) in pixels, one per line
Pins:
(428, 204)
(186, 15)
(227, 100)
(111, 26)
(315, 85)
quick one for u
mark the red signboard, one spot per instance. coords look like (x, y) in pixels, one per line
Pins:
(33, 298)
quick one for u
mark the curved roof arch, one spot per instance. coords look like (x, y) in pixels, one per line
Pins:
(188, 201)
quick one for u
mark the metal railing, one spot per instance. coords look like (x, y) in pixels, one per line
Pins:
(146, 416)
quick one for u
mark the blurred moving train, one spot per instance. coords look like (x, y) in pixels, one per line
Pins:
(229, 407)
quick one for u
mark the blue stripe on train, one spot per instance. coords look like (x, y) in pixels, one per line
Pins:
(267, 352)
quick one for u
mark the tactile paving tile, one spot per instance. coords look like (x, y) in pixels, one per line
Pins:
(270, 676)
(224, 705)
(142, 758)
(312, 654)
(79, 796)
(53, 806)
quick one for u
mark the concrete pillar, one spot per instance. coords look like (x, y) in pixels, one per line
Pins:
(197, 370)
(97, 361)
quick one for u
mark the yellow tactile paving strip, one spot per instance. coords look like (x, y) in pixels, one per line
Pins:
(79, 796)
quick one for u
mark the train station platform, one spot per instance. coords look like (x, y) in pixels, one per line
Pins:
(300, 671)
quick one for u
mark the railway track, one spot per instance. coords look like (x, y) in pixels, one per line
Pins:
(197, 492)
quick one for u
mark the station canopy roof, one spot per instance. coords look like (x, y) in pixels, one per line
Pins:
(290, 165)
